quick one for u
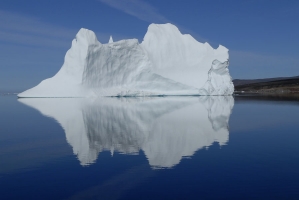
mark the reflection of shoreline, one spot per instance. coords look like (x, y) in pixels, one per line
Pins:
(268, 97)
(166, 129)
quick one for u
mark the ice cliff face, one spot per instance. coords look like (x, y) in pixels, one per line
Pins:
(165, 63)
(218, 75)
(128, 75)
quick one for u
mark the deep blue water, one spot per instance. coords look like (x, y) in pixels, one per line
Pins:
(150, 148)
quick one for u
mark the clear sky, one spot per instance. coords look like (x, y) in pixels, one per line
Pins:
(262, 35)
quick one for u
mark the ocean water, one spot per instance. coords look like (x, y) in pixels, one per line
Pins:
(149, 148)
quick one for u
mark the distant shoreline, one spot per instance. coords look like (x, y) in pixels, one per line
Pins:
(287, 85)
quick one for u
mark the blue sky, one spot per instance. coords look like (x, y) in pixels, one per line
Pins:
(262, 35)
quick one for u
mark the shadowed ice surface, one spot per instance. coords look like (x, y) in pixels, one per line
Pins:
(165, 129)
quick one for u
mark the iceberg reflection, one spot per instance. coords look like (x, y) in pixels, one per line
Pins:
(166, 129)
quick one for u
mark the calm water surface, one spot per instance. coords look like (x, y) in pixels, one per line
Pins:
(149, 148)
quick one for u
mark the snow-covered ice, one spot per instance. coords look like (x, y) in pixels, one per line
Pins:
(165, 63)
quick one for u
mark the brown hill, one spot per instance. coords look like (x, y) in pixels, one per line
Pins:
(271, 85)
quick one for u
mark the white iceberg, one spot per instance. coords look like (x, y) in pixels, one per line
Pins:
(165, 63)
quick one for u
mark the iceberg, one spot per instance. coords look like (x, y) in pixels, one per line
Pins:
(166, 62)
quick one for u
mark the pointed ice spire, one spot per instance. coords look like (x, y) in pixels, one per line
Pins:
(110, 40)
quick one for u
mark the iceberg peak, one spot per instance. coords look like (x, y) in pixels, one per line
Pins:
(86, 36)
